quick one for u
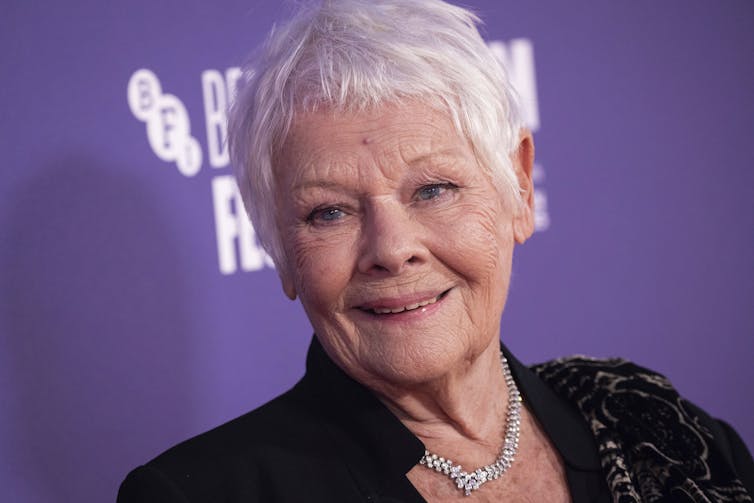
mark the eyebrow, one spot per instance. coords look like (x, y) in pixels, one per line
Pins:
(451, 153)
(447, 153)
(317, 184)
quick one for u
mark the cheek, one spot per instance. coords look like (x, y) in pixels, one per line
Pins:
(481, 240)
(321, 267)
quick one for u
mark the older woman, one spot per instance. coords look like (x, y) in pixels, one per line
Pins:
(381, 157)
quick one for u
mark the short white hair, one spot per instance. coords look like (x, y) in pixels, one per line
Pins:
(357, 55)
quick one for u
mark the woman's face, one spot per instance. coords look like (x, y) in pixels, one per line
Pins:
(397, 243)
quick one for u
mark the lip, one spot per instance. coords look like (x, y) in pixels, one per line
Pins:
(394, 307)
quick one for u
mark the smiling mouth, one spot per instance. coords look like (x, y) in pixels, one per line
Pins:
(402, 309)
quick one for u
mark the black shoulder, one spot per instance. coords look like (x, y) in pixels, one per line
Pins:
(741, 456)
(281, 421)
(229, 458)
(148, 485)
(633, 407)
(729, 443)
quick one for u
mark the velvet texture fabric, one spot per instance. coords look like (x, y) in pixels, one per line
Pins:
(653, 444)
(622, 432)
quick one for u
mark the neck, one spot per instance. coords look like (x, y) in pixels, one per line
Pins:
(460, 414)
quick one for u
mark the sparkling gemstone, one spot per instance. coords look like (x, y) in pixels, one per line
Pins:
(469, 482)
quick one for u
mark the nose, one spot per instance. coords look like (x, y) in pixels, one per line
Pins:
(391, 240)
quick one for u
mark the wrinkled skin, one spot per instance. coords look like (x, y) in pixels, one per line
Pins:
(389, 208)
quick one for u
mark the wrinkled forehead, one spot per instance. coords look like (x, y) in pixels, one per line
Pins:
(404, 134)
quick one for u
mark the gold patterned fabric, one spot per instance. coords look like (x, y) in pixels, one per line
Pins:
(654, 445)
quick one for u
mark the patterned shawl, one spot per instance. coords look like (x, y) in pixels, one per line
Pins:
(652, 446)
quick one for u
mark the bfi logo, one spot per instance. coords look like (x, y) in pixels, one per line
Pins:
(168, 130)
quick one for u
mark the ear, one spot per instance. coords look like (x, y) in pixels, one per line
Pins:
(523, 164)
(286, 281)
(288, 287)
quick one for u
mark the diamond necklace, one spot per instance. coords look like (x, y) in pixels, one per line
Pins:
(471, 481)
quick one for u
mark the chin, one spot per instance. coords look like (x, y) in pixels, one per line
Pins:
(413, 363)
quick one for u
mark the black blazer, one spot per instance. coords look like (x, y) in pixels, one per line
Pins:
(329, 439)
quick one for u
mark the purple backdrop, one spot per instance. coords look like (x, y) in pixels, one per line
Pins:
(132, 318)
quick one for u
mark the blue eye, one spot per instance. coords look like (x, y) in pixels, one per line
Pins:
(433, 191)
(325, 215)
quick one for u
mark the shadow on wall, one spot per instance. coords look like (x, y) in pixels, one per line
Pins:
(98, 334)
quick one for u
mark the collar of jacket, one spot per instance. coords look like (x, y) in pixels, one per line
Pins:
(379, 450)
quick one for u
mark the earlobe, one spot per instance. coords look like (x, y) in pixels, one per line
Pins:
(288, 285)
(523, 164)
(523, 225)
